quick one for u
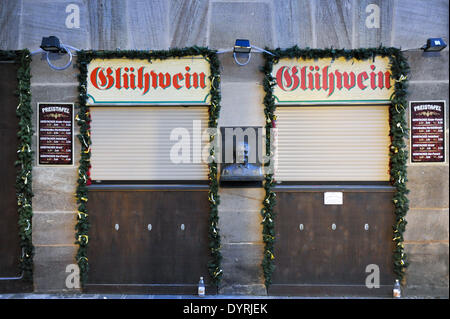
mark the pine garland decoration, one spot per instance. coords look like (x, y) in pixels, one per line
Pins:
(83, 118)
(269, 201)
(397, 151)
(24, 161)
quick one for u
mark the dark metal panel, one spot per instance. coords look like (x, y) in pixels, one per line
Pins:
(334, 188)
(167, 257)
(9, 232)
(330, 290)
(9, 237)
(318, 256)
(137, 187)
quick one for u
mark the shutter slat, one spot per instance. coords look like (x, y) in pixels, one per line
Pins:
(133, 143)
(335, 143)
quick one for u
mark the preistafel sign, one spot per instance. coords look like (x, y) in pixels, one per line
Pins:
(55, 133)
(328, 81)
(427, 132)
(172, 81)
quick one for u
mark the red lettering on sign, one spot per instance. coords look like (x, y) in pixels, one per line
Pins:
(312, 78)
(128, 78)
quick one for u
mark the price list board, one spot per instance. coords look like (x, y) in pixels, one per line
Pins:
(427, 129)
(55, 133)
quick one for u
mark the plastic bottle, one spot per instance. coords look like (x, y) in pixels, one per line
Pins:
(201, 287)
(397, 292)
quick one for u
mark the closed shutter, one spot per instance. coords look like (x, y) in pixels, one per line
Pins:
(333, 143)
(133, 143)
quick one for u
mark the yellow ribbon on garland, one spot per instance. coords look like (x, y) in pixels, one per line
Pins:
(402, 78)
(83, 236)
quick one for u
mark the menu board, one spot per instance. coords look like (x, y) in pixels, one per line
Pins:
(427, 120)
(55, 133)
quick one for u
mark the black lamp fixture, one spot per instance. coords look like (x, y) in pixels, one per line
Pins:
(434, 45)
(52, 44)
(242, 46)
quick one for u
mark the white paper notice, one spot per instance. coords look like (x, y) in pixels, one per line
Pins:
(333, 198)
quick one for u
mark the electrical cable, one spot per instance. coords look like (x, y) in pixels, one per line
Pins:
(67, 48)
(244, 63)
(249, 54)
(262, 50)
(62, 67)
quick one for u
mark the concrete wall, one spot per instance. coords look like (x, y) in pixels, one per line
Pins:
(160, 24)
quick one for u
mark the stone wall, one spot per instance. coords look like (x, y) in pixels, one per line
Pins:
(160, 24)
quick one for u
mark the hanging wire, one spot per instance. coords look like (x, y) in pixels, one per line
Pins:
(262, 50)
(249, 54)
(67, 48)
(242, 63)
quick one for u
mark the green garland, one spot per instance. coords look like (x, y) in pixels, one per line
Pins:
(398, 154)
(24, 161)
(269, 201)
(83, 118)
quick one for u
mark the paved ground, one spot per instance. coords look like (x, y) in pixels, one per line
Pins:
(130, 296)
(120, 296)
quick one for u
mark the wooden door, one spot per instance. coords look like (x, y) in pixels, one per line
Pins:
(9, 231)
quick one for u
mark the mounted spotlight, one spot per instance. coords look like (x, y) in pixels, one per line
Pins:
(242, 46)
(434, 45)
(52, 44)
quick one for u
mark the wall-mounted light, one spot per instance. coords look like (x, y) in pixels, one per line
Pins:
(52, 44)
(434, 45)
(242, 47)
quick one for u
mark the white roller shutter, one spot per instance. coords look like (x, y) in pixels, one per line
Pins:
(333, 143)
(133, 143)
